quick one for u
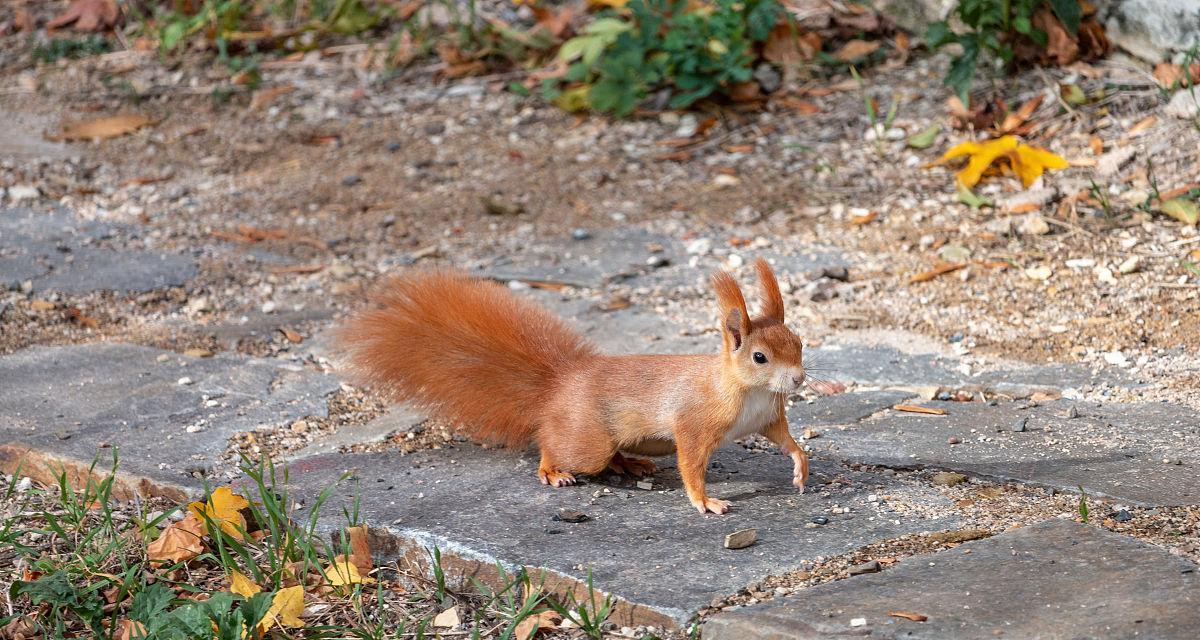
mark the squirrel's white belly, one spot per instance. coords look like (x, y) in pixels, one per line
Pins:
(759, 410)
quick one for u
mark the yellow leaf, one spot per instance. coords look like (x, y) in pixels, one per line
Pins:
(615, 4)
(286, 607)
(1027, 162)
(223, 507)
(342, 572)
(574, 99)
(242, 585)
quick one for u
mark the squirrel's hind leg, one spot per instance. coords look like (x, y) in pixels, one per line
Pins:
(638, 467)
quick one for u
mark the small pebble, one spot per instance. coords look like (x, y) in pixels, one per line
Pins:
(820, 520)
(571, 515)
(866, 567)
(580, 234)
(184, 381)
(393, 146)
(1122, 516)
(645, 484)
(858, 622)
(1073, 412)
(952, 440)
(1019, 425)
(741, 539)
(351, 180)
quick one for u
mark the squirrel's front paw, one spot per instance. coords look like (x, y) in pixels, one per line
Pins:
(711, 504)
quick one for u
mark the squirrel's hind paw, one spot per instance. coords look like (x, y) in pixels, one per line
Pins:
(556, 478)
(638, 467)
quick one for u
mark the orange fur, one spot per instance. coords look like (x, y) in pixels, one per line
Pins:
(510, 372)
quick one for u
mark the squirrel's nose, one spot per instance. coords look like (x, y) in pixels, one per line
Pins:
(798, 379)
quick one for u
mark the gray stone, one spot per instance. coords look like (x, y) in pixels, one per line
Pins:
(1052, 580)
(63, 404)
(59, 253)
(741, 539)
(1184, 104)
(1152, 29)
(1113, 450)
(399, 419)
(649, 547)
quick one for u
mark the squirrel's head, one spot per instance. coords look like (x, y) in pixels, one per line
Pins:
(761, 352)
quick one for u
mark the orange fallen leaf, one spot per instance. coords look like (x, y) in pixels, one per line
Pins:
(1027, 207)
(856, 49)
(788, 45)
(88, 15)
(739, 148)
(945, 267)
(179, 542)
(908, 615)
(803, 107)
(360, 548)
(76, 315)
(264, 97)
(291, 335)
(865, 218)
(1097, 145)
(102, 128)
(534, 624)
(916, 408)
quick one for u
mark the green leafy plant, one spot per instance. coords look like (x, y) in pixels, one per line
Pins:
(618, 61)
(1083, 506)
(992, 28)
(58, 48)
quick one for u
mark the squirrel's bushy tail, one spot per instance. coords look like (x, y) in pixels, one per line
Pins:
(464, 349)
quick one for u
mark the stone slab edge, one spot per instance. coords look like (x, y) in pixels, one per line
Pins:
(45, 468)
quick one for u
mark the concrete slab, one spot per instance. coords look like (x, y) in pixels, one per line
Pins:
(58, 252)
(649, 547)
(1112, 450)
(1052, 580)
(887, 366)
(170, 419)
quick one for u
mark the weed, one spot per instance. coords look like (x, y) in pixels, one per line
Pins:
(59, 48)
(993, 27)
(1083, 506)
(588, 614)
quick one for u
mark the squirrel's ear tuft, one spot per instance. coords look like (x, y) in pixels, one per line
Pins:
(772, 300)
(735, 320)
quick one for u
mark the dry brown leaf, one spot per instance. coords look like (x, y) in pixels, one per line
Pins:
(465, 69)
(88, 15)
(264, 97)
(1178, 191)
(908, 615)
(531, 626)
(556, 23)
(76, 315)
(291, 335)
(102, 128)
(1097, 145)
(1141, 125)
(130, 629)
(294, 268)
(856, 49)
(745, 92)
(141, 181)
(1061, 48)
(803, 107)
(360, 548)
(674, 156)
(179, 542)
(1017, 121)
(916, 408)
(739, 148)
(943, 268)
(42, 305)
(448, 618)
(787, 45)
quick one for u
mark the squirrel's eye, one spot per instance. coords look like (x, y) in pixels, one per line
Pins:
(759, 357)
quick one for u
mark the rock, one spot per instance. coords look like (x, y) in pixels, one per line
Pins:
(953, 440)
(1034, 225)
(1116, 358)
(820, 520)
(858, 622)
(580, 234)
(768, 77)
(1111, 163)
(866, 567)
(841, 274)
(351, 180)
(1019, 425)
(393, 146)
(435, 128)
(741, 539)
(699, 246)
(1184, 104)
(1030, 198)
(688, 125)
(1105, 275)
(447, 619)
(1129, 265)
(645, 484)
(21, 192)
(571, 515)
(1073, 412)
(1153, 29)
(948, 479)
(1122, 515)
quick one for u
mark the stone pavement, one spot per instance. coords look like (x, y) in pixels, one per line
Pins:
(172, 417)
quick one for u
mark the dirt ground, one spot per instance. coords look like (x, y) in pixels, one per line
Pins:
(295, 205)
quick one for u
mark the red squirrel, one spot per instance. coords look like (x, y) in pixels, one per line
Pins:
(511, 373)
